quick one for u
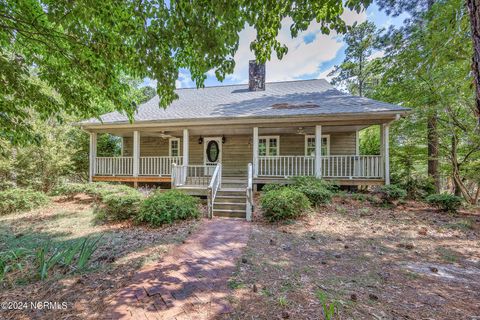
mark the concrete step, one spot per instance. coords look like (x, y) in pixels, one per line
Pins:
(229, 213)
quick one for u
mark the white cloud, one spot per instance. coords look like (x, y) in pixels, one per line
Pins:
(184, 80)
(303, 59)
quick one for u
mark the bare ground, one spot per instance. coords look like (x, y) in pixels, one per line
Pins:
(124, 249)
(410, 262)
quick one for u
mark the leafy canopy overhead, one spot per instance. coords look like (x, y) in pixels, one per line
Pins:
(72, 56)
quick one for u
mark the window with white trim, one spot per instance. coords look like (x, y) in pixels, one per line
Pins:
(269, 146)
(174, 147)
(310, 145)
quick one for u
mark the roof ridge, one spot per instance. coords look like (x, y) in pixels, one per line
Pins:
(244, 84)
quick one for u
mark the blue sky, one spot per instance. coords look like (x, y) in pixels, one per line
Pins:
(311, 55)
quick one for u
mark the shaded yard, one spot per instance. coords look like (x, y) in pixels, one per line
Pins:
(122, 250)
(373, 263)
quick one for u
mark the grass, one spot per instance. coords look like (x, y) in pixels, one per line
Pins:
(463, 224)
(63, 239)
(448, 254)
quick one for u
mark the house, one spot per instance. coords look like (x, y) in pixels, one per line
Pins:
(223, 141)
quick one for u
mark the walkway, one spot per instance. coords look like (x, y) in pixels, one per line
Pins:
(190, 283)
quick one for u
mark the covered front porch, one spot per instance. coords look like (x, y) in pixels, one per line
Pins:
(187, 157)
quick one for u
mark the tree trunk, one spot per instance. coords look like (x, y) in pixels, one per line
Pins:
(474, 11)
(456, 174)
(433, 147)
(432, 138)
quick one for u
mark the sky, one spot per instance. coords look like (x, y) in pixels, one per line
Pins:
(311, 55)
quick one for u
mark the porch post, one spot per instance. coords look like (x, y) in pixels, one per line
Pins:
(386, 151)
(318, 151)
(93, 155)
(255, 152)
(357, 143)
(136, 153)
(185, 147)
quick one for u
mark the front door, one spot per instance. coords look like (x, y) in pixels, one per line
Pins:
(212, 153)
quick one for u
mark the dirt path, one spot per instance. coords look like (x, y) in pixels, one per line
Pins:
(191, 282)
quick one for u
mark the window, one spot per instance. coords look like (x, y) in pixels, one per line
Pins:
(174, 148)
(310, 145)
(269, 146)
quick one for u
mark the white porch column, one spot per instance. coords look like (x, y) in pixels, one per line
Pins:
(357, 143)
(92, 155)
(386, 151)
(185, 147)
(255, 152)
(136, 153)
(318, 151)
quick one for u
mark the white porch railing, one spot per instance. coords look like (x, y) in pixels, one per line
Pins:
(191, 175)
(213, 186)
(249, 204)
(367, 167)
(286, 166)
(158, 166)
(113, 166)
(345, 166)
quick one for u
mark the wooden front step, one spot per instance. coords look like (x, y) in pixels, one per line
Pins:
(230, 202)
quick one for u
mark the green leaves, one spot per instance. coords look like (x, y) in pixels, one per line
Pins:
(63, 57)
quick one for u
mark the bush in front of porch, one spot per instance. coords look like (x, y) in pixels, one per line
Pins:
(166, 207)
(284, 203)
(118, 203)
(317, 191)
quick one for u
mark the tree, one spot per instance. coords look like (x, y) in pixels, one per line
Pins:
(435, 79)
(418, 10)
(357, 68)
(81, 51)
(474, 11)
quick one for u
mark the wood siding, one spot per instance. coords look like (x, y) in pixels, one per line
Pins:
(237, 150)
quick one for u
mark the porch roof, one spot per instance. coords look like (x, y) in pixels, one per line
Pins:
(280, 99)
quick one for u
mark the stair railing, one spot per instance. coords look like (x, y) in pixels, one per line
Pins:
(249, 204)
(214, 185)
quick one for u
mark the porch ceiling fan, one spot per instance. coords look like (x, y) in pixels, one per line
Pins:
(301, 131)
(163, 135)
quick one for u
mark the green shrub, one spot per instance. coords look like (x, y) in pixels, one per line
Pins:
(445, 202)
(309, 181)
(101, 190)
(417, 186)
(119, 204)
(317, 191)
(15, 200)
(272, 186)
(390, 193)
(166, 207)
(5, 185)
(284, 203)
(69, 190)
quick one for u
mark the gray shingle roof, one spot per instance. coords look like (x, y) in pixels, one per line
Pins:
(280, 99)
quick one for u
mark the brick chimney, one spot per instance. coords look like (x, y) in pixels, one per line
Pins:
(256, 76)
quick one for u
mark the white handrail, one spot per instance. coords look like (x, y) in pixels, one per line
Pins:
(249, 191)
(213, 187)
